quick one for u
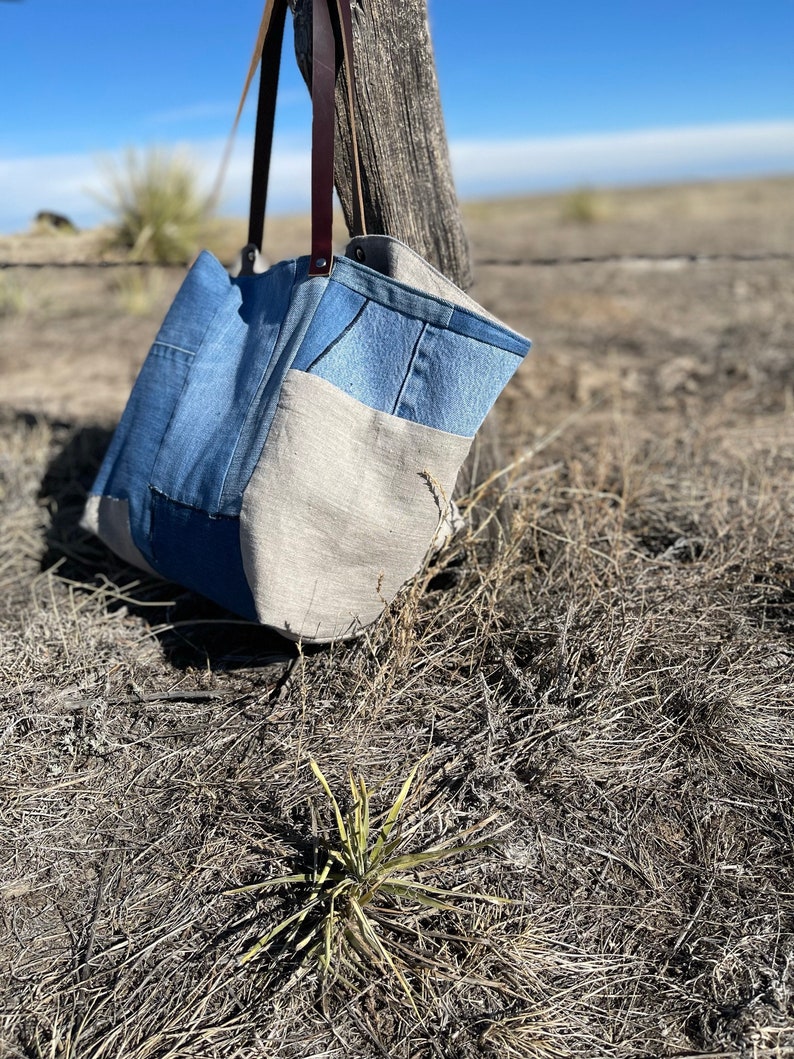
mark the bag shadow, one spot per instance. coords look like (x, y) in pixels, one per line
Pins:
(192, 631)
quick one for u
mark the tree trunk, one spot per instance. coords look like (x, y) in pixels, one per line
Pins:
(406, 172)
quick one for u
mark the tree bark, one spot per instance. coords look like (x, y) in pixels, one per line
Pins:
(406, 172)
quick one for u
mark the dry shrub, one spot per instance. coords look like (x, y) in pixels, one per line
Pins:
(602, 663)
(14, 297)
(156, 208)
(583, 206)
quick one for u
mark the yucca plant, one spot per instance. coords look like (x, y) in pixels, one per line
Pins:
(156, 206)
(365, 873)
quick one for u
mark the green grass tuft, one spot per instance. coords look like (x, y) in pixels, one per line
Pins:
(138, 289)
(582, 206)
(361, 871)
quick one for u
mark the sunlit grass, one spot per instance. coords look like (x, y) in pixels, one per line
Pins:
(364, 870)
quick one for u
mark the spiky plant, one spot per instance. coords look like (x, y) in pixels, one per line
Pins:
(157, 208)
(364, 872)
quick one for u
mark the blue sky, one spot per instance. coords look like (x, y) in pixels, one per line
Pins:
(536, 96)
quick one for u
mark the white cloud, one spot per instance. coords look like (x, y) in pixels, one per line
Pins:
(493, 166)
(69, 184)
(62, 182)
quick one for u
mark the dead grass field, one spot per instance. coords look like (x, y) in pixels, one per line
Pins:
(603, 667)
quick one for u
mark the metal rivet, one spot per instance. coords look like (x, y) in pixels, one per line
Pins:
(252, 255)
(360, 255)
(320, 262)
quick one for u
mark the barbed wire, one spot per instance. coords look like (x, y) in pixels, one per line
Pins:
(485, 262)
(91, 264)
(630, 259)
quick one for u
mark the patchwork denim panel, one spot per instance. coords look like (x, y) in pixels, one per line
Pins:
(204, 431)
(409, 353)
(126, 471)
(200, 552)
(371, 358)
(454, 381)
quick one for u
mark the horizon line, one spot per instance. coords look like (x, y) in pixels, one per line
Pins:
(482, 167)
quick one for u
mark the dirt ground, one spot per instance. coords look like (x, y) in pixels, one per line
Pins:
(603, 670)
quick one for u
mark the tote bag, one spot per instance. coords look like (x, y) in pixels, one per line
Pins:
(291, 445)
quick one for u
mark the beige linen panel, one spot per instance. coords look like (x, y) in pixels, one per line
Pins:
(341, 509)
(109, 519)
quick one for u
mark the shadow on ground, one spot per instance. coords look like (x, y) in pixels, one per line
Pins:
(192, 631)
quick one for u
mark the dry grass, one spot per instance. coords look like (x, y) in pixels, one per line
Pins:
(603, 664)
(138, 291)
(606, 667)
(13, 296)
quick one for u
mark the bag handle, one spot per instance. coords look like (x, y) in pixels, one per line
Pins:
(323, 129)
(267, 55)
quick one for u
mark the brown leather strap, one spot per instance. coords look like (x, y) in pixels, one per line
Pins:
(323, 111)
(267, 53)
(323, 104)
(265, 119)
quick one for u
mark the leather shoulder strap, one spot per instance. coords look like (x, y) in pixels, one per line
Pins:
(267, 55)
(265, 119)
(323, 112)
(324, 56)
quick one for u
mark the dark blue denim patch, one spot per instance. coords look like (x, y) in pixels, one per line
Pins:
(201, 552)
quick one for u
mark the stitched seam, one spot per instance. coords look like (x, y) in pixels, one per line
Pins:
(170, 345)
(191, 507)
(256, 394)
(409, 369)
(343, 334)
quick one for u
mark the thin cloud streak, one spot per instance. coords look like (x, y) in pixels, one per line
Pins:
(491, 167)
(481, 167)
(288, 97)
(193, 112)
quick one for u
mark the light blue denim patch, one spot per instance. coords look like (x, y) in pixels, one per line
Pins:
(408, 353)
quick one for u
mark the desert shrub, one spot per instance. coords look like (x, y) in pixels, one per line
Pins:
(156, 205)
(12, 295)
(345, 905)
(582, 206)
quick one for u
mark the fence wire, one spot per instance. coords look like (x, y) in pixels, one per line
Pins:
(630, 259)
(485, 262)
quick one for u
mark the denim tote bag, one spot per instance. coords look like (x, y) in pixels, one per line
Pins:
(291, 445)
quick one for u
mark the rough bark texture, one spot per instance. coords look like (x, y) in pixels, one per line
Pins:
(406, 172)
